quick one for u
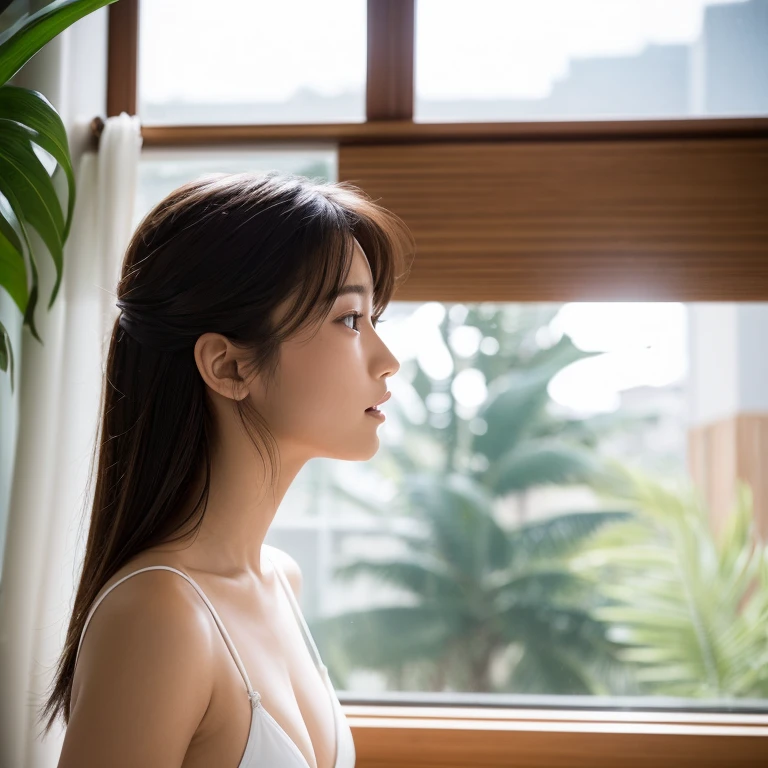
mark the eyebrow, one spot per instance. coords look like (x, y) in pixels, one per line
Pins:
(361, 289)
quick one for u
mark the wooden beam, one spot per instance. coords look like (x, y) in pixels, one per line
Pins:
(403, 132)
(389, 82)
(122, 57)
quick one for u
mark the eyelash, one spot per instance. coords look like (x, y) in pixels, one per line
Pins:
(357, 315)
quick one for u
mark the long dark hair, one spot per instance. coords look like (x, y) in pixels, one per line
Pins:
(218, 254)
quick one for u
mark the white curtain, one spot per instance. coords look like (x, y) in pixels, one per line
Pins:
(58, 390)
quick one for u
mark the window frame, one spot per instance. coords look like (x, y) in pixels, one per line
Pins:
(454, 737)
(387, 735)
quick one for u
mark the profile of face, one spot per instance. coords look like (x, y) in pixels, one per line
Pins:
(316, 406)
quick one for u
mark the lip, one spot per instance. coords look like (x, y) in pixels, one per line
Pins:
(383, 400)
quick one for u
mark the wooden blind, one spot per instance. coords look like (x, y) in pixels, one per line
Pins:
(662, 219)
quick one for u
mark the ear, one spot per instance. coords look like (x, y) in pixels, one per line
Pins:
(219, 366)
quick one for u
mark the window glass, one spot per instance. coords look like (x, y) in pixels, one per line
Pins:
(162, 171)
(512, 60)
(530, 525)
(233, 61)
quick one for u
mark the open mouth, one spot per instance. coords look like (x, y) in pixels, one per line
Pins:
(374, 409)
(375, 412)
(381, 402)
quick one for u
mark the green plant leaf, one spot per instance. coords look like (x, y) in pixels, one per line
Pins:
(559, 536)
(9, 224)
(417, 573)
(45, 128)
(28, 194)
(516, 399)
(20, 42)
(456, 510)
(534, 463)
(6, 353)
(694, 609)
(13, 272)
(383, 636)
(21, 168)
(543, 669)
(535, 586)
(29, 312)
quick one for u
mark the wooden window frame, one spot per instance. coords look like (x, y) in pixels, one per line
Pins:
(447, 736)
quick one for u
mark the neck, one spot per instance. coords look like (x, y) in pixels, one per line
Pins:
(240, 509)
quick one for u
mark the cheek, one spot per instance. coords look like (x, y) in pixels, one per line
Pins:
(319, 399)
(320, 384)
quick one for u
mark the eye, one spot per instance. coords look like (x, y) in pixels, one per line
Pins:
(355, 316)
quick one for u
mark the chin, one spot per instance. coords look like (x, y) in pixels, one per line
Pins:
(357, 453)
(372, 452)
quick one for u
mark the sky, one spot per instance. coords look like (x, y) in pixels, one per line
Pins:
(265, 50)
(520, 48)
(643, 344)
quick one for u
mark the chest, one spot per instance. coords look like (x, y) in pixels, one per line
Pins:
(281, 669)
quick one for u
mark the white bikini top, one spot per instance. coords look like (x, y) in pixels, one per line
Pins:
(268, 744)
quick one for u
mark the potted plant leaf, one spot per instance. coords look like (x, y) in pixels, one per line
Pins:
(28, 124)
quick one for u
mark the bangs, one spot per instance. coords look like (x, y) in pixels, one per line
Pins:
(342, 216)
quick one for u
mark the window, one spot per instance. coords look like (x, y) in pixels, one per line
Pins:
(476, 559)
(160, 172)
(611, 206)
(499, 60)
(295, 61)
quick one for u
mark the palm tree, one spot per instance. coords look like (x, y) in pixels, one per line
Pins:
(524, 445)
(473, 590)
(478, 590)
(690, 608)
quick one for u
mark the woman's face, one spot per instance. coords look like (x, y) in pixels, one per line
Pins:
(316, 405)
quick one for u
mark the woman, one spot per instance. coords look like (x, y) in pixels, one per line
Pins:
(246, 346)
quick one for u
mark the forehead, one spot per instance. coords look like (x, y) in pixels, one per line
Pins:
(360, 270)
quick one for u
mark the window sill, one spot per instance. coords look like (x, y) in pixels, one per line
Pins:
(490, 737)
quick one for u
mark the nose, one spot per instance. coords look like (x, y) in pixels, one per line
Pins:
(391, 363)
(394, 364)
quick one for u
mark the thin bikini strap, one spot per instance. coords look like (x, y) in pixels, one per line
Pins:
(299, 615)
(230, 645)
(313, 649)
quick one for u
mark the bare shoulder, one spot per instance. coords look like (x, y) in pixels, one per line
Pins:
(146, 659)
(156, 607)
(289, 565)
